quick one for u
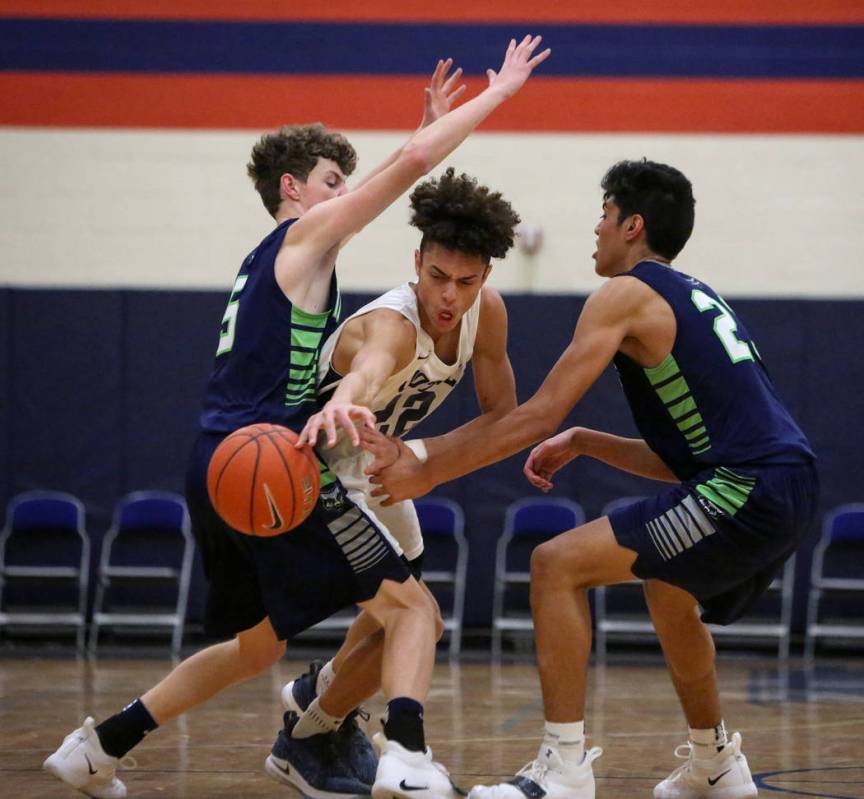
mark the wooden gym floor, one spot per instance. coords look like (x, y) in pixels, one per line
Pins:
(802, 728)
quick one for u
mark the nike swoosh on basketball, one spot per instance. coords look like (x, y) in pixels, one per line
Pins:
(406, 787)
(90, 765)
(716, 779)
(274, 510)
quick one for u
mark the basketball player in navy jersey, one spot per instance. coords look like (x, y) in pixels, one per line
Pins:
(746, 486)
(284, 303)
(393, 362)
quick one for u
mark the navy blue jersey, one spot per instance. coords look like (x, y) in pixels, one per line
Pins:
(711, 402)
(267, 357)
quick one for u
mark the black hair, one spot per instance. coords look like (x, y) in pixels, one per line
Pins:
(295, 149)
(660, 194)
(459, 214)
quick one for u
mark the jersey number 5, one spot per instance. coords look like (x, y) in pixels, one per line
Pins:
(229, 320)
(725, 326)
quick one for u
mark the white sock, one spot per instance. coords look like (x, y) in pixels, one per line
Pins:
(324, 678)
(708, 742)
(568, 739)
(315, 721)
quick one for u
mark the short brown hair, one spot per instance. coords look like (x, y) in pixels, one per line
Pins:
(295, 149)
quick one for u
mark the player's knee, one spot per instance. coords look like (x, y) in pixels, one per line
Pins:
(261, 656)
(547, 569)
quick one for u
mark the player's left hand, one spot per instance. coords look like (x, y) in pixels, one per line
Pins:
(547, 458)
(396, 472)
(334, 415)
(440, 95)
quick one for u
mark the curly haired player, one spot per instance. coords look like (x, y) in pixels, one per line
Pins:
(394, 362)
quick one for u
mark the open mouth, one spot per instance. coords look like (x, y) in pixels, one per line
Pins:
(445, 317)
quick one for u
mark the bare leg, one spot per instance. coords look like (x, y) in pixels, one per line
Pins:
(689, 652)
(410, 620)
(206, 673)
(561, 571)
(357, 664)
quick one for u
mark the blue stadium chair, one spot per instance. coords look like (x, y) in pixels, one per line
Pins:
(44, 543)
(769, 620)
(528, 522)
(145, 555)
(837, 569)
(445, 565)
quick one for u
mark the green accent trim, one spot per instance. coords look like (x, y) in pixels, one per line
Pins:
(696, 434)
(690, 422)
(712, 496)
(685, 406)
(327, 477)
(699, 443)
(301, 317)
(700, 451)
(734, 476)
(732, 492)
(304, 358)
(663, 371)
(302, 374)
(305, 338)
(672, 391)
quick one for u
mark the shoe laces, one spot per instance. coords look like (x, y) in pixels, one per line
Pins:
(535, 771)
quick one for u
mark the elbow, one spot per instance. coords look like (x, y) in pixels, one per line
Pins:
(417, 159)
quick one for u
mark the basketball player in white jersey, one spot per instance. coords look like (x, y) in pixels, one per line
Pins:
(392, 363)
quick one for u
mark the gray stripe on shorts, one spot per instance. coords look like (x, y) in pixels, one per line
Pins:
(673, 521)
(344, 521)
(699, 518)
(686, 522)
(361, 541)
(376, 556)
(677, 543)
(652, 531)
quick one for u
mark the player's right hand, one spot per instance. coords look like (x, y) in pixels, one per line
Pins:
(442, 92)
(519, 61)
(547, 458)
(335, 415)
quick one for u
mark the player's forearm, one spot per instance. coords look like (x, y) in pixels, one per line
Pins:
(482, 442)
(628, 454)
(353, 389)
(439, 139)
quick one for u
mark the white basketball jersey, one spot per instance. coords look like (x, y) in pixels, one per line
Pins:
(404, 400)
(411, 394)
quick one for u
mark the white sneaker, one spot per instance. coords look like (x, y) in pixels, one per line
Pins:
(547, 776)
(724, 776)
(403, 774)
(82, 763)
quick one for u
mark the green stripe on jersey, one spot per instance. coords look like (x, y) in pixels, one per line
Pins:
(673, 391)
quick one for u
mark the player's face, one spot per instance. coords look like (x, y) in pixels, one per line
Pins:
(611, 252)
(447, 286)
(325, 181)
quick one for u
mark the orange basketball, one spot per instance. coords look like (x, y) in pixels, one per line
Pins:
(259, 483)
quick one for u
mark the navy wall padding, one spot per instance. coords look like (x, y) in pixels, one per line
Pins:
(100, 391)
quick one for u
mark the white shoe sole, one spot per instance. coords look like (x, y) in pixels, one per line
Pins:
(56, 771)
(289, 776)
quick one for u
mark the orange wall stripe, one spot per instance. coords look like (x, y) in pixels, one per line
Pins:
(372, 103)
(537, 11)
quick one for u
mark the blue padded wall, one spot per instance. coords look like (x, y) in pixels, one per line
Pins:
(99, 395)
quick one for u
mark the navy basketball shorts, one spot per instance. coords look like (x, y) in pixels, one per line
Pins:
(337, 558)
(722, 536)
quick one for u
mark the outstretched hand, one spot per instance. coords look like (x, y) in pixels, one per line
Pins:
(547, 458)
(440, 95)
(335, 415)
(395, 470)
(519, 61)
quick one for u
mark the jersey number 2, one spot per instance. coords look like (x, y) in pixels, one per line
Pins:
(725, 326)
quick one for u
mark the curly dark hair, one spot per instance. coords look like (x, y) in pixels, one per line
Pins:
(295, 149)
(660, 194)
(459, 214)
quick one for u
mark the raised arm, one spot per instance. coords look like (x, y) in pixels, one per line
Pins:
(324, 226)
(438, 97)
(373, 346)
